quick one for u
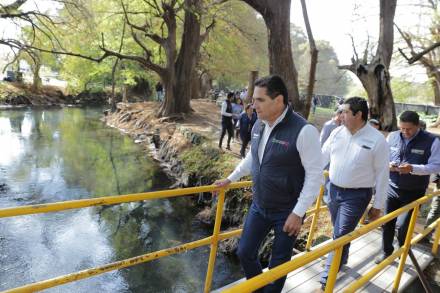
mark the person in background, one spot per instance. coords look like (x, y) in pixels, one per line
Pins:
(237, 109)
(159, 91)
(227, 126)
(358, 155)
(243, 94)
(286, 173)
(315, 102)
(331, 124)
(375, 123)
(414, 155)
(246, 122)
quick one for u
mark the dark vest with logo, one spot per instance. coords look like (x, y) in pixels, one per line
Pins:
(279, 179)
(416, 152)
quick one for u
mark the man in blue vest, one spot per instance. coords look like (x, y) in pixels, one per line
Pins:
(286, 168)
(414, 155)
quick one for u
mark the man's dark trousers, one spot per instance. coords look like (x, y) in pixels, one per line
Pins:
(258, 223)
(346, 206)
(397, 198)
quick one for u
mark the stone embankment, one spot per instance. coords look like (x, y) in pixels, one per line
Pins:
(17, 95)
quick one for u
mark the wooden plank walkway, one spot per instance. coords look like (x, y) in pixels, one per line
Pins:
(362, 253)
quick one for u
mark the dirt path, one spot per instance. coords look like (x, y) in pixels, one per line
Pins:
(205, 119)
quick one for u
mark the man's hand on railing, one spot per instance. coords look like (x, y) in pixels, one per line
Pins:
(221, 183)
(293, 224)
(373, 214)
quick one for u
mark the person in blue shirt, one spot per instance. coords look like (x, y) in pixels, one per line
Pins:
(246, 122)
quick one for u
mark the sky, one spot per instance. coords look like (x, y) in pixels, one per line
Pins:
(335, 21)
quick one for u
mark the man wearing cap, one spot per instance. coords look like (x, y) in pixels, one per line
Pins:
(358, 162)
(414, 155)
(328, 126)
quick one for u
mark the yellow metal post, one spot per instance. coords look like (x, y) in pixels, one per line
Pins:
(436, 238)
(214, 242)
(315, 219)
(334, 269)
(406, 248)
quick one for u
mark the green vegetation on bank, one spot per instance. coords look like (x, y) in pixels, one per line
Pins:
(207, 162)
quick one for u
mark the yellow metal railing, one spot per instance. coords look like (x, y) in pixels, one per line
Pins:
(111, 200)
(217, 236)
(337, 245)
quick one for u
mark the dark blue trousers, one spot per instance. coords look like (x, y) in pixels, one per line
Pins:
(258, 223)
(346, 208)
(397, 198)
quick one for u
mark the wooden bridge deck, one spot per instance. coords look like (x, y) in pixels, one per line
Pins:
(362, 253)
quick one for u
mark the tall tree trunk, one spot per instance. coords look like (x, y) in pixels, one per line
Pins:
(375, 76)
(435, 84)
(376, 80)
(277, 19)
(313, 61)
(196, 84)
(36, 82)
(112, 99)
(184, 67)
(124, 93)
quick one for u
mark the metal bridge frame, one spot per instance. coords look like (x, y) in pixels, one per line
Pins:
(249, 285)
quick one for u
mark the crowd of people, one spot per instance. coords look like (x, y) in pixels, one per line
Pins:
(286, 161)
(237, 120)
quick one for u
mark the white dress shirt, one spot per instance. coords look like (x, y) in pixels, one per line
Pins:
(308, 147)
(358, 161)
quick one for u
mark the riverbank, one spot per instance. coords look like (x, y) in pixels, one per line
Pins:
(18, 95)
(188, 149)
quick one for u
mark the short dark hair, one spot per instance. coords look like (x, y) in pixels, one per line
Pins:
(275, 86)
(230, 95)
(410, 116)
(357, 104)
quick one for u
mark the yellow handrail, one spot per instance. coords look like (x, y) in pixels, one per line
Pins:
(110, 200)
(250, 285)
(302, 259)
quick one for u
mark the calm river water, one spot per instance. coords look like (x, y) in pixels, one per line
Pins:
(67, 154)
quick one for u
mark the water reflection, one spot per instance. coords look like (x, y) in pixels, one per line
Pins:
(65, 154)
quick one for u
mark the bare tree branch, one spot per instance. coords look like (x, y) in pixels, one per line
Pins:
(355, 57)
(418, 56)
(365, 57)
